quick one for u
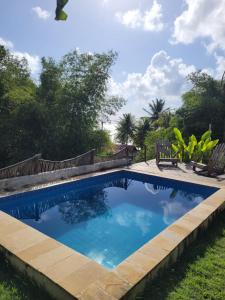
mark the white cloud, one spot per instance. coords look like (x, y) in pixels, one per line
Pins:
(165, 77)
(41, 13)
(220, 66)
(33, 60)
(6, 43)
(201, 19)
(150, 20)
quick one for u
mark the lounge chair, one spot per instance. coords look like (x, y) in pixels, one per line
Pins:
(216, 163)
(164, 153)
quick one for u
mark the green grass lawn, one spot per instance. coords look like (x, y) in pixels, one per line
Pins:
(200, 274)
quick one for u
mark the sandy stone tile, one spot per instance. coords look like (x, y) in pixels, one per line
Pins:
(183, 231)
(62, 269)
(22, 239)
(113, 285)
(129, 272)
(77, 282)
(38, 249)
(94, 292)
(50, 258)
(142, 261)
(155, 252)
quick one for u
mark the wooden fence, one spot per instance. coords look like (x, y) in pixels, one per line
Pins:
(36, 164)
(120, 154)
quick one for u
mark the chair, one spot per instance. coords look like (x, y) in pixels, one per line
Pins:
(164, 153)
(216, 163)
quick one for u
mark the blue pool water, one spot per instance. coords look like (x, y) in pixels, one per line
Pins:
(107, 217)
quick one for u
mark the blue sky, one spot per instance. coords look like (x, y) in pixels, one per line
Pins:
(158, 41)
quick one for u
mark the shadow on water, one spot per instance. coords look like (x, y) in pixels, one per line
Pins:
(75, 206)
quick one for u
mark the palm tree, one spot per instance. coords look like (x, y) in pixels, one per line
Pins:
(156, 109)
(142, 128)
(125, 129)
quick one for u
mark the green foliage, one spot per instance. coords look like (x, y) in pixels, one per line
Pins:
(156, 108)
(142, 128)
(60, 116)
(125, 129)
(203, 105)
(194, 149)
(60, 15)
(153, 136)
(101, 141)
(164, 120)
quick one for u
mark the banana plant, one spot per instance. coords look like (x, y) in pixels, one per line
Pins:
(180, 145)
(194, 149)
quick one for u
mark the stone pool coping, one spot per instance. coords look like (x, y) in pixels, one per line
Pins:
(67, 274)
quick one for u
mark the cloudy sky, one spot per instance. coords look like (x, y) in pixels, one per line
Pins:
(158, 41)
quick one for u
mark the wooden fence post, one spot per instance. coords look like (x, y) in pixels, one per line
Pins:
(93, 151)
(37, 163)
(145, 153)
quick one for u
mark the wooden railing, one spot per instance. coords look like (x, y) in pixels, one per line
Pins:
(25, 167)
(36, 164)
(120, 154)
(81, 160)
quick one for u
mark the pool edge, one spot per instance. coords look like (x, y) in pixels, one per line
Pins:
(92, 280)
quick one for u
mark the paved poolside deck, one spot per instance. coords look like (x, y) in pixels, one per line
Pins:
(182, 172)
(68, 275)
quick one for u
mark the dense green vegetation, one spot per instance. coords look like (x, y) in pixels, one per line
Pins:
(203, 108)
(58, 115)
(125, 129)
(194, 149)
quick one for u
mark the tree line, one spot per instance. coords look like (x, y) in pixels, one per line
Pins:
(58, 114)
(203, 108)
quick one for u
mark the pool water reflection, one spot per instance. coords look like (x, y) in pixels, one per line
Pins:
(107, 217)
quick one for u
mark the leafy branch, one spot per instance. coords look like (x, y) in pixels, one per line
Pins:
(60, 14)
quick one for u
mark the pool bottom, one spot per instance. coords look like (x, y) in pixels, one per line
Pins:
(109, 217)
(67, 275)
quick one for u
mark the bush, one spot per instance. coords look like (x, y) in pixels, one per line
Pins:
(154, 136)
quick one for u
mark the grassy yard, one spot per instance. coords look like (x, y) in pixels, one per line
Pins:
(200, 274)
(14, 286)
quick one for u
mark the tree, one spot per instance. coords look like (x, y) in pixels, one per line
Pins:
(164, 119)
(17, 92)
(156, 108)
(154, 136)
(83, 99)
(141, 130)
(203, 107)
(59, 117)
(125, 129)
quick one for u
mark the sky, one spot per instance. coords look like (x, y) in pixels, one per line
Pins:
(159, 42)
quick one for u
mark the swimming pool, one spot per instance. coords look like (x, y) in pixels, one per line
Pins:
(106, 217)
